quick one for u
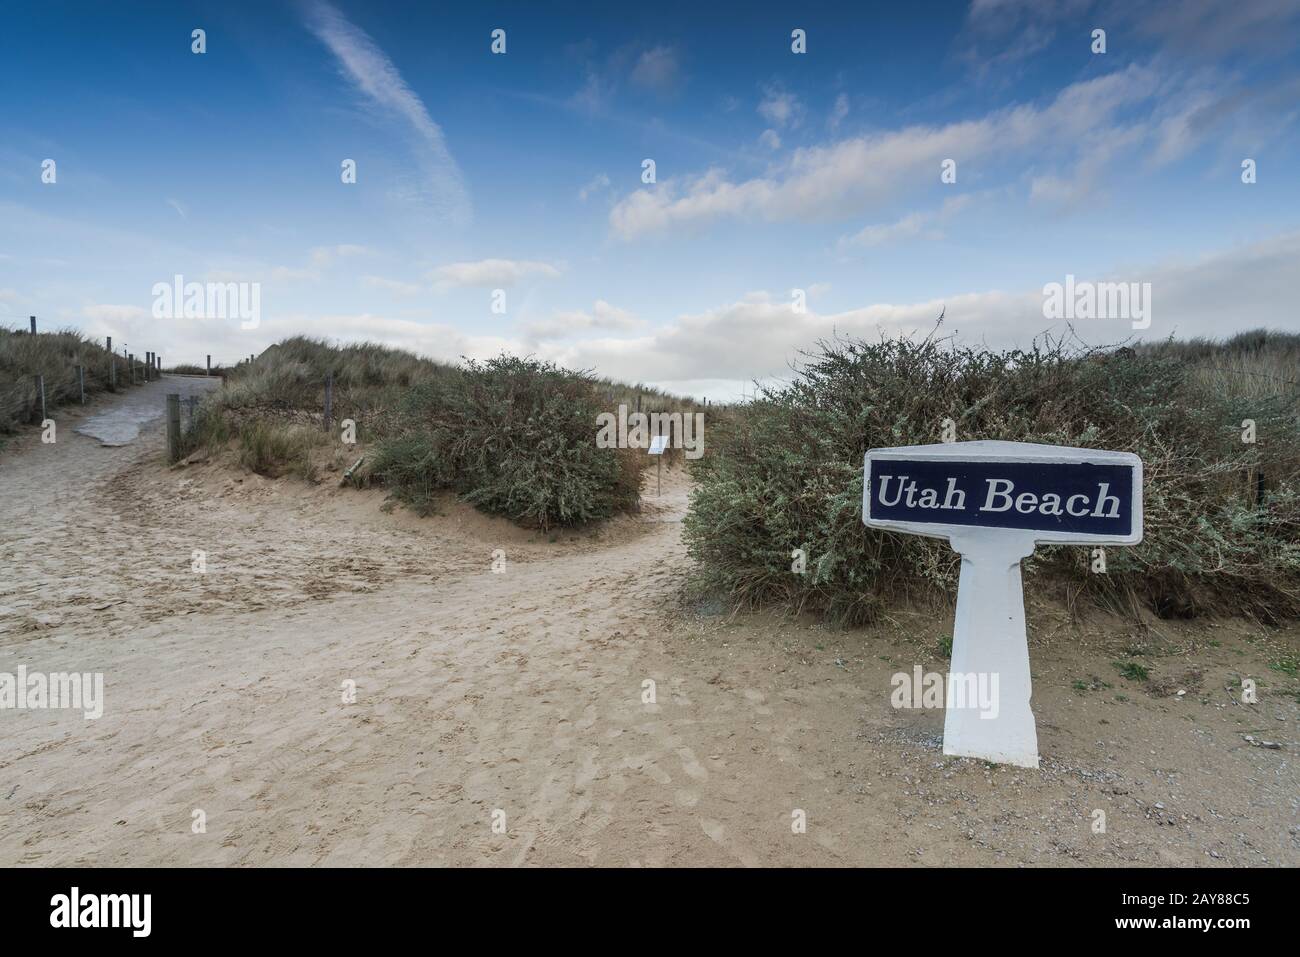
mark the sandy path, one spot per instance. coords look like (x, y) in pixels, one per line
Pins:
(521, 692)
(99, 539)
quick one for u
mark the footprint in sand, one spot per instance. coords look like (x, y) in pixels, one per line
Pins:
(690, 765)
(648, 765)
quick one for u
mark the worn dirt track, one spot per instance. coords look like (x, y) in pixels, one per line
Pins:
(521, 692)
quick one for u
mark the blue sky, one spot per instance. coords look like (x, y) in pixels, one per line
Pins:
(775, 171)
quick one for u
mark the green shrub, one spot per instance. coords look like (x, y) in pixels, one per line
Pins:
(1132, 670)
(515, 437)
(786, 473)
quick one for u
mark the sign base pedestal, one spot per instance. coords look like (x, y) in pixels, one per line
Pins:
(989, 645)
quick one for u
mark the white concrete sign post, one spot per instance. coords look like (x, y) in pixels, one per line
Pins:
(993, 502)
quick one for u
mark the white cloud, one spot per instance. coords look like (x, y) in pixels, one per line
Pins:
(779, 107)
(593, 96)
(1067, 192)
(1214, 295)
(290, 274)
(853, 175)
(657, 70)
(1001, 32)
(325, 255)
(110, 312)
(492, 272)
(839, 111)
(375, 75)
(395, 286)
(919, 224)
(1208, 28)
(771, 139)
(603, 316)
(596, 184)
(319, 260)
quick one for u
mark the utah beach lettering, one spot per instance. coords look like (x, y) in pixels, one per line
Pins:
(1058, 497)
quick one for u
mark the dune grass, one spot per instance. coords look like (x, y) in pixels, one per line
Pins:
(1259, 364)
(189, 368)
(55, 355)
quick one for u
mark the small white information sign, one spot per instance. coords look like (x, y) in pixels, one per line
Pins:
(657, 444)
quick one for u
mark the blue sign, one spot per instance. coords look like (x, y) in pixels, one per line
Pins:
(1059, 497)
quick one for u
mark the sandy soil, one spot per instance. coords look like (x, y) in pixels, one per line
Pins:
(521, 692)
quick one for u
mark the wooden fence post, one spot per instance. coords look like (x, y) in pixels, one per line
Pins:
(173, 426)
(209, 365)
(329, 399)
(33, 325)
(659, 464)
(81, 382)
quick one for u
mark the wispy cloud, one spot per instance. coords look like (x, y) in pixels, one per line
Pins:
(926, 224)
(593, 96)
(838, 111)
(864, 173)
(657, 70)
(492, 272)
(396, 287)
(602, 317)
(375, 75)
(779, 107)
(596, 184)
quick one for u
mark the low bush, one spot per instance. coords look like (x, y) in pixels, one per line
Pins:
(514, 437)
(785, 473)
